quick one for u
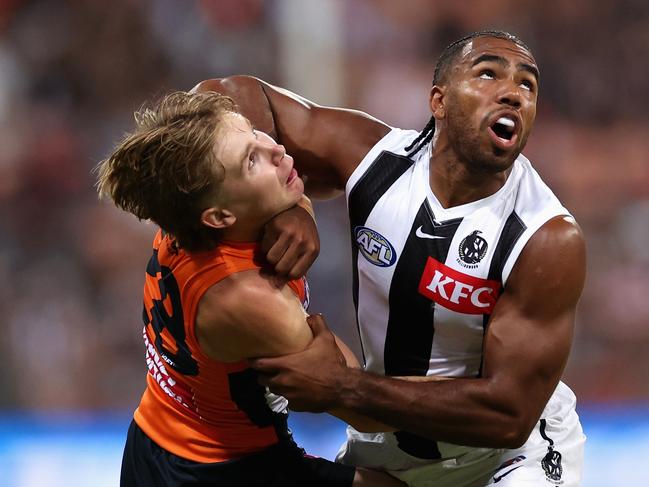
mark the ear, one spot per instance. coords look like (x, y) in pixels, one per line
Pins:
(437, 102)
(217, 218)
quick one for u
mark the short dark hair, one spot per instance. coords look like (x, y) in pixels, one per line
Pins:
(449, 55)
(166, 169)
(442, 68)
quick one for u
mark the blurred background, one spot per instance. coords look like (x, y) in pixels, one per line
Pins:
(71, 268)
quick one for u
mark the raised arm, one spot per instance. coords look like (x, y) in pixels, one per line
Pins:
(326, 143)
(525, 350)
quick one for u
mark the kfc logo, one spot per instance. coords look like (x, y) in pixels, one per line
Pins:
(457, 291)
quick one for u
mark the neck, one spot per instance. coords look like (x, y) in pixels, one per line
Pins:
(242, 233)
(456, 182)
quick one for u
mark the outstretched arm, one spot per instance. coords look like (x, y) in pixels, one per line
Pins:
(326, 143)
(525, 350)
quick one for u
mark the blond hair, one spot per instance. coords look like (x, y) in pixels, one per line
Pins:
(166, 169)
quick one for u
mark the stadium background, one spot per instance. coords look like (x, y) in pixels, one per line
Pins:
(73, 71)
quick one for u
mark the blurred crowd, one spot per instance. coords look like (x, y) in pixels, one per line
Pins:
(72, 72)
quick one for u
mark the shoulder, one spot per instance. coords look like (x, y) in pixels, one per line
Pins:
(248, 315)
(552, 266)
(561, 230)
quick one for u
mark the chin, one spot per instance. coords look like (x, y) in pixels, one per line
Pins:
(501, 160)
(491, 163)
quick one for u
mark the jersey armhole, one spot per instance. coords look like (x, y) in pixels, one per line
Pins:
(529, 232)
(393, 141)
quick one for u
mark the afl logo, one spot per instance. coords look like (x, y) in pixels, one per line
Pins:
(375, 247)
(473, 248)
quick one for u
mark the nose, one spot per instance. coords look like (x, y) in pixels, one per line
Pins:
(278, 153)
(510, 95)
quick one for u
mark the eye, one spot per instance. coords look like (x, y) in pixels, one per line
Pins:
(528, 85)
(487, 74)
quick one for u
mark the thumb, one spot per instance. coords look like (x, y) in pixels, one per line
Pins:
(317, 324)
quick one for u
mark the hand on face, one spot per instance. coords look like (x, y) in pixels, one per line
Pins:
(291, 242)
(311, 380)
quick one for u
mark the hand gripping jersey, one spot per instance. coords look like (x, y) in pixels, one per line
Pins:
(426, 279)
(195, 407)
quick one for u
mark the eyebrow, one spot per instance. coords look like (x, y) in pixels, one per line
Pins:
(485, 58)
(530, 69)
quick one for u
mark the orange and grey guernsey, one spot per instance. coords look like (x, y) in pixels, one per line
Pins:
(194, 406)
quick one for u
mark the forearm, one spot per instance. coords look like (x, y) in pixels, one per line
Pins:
(360, 422)
(366, 424)
(470, 412)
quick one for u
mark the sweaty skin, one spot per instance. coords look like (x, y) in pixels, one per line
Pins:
(492, 78)
(528, 337)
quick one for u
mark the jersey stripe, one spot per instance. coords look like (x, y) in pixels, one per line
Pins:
(512, 231)
(411, 327)
(382, 174)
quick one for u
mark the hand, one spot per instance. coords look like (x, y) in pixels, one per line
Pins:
(291, 242)
(311, 380)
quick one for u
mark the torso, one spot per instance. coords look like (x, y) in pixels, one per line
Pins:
(196, 407)
(426, 278)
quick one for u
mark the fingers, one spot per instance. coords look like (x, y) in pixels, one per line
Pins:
(287, 261)
(291, 242)
(275, 246)
(302, 265)
(291, 258)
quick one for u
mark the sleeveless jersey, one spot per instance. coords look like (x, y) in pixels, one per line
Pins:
(196, 407)
(425, 277)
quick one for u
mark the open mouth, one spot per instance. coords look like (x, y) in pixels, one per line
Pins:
(291, 177)
(503, 132)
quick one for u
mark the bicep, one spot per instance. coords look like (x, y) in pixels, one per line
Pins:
(326, 143)
(529, 335)
(251, 319)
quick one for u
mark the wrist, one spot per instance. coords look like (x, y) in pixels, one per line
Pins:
(305, 204)
(350, 382)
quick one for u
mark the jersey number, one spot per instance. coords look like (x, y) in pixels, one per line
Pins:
(159, 317)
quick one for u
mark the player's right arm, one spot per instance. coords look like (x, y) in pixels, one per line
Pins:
(326, 143)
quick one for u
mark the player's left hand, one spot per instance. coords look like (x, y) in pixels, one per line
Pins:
(311, 380)
(291, 242)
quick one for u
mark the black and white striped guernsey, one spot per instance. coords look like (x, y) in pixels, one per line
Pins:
(426, 278)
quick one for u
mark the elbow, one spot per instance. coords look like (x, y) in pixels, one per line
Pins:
(516, 432)
(228, 85)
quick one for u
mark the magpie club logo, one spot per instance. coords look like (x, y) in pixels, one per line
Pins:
(472, 249)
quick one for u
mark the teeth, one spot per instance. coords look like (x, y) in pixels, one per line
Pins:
(506, 122)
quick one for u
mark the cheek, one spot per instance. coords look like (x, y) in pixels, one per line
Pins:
(464, 102)
(530, 114)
